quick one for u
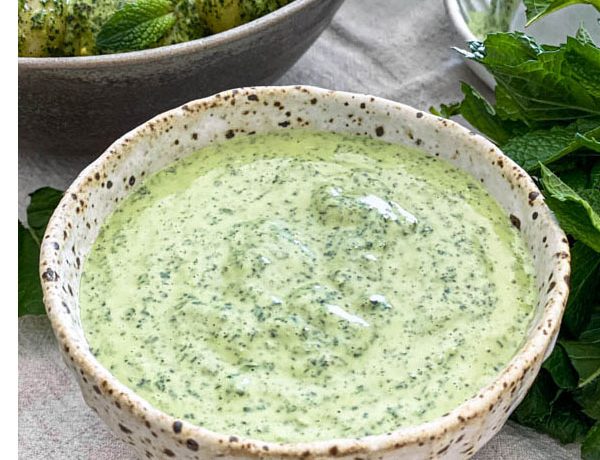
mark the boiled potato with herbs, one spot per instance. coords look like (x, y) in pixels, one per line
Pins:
(72, 27)
(222, 15)
(62, 27)
(41, 27)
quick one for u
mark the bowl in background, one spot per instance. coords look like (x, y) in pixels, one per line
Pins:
(180, 132)
(73, 105)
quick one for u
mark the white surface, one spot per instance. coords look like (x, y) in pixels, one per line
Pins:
(398, 49)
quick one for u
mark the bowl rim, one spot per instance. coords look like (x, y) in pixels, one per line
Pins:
(537, 345)
(169, 51)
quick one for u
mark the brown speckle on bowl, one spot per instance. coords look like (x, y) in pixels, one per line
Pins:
(515, 221)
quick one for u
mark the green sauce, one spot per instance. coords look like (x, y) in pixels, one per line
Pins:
(304, 286)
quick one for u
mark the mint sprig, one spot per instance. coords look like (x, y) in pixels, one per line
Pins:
(137, 25)
(575, 215)
(537, 9)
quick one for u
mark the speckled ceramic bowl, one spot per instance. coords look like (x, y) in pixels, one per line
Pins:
(179, 132)
(78, 105)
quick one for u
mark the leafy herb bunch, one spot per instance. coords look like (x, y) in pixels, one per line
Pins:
(546, 117)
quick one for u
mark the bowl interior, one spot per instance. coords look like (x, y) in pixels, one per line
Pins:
(182, 131)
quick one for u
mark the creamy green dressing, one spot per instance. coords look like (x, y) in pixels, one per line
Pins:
(305, 286)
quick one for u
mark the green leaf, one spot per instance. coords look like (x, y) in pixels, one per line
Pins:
(592, 196)
(536, 407)
(566, 423)
(536, 9)
(137, 25)
(40, 209)
(585, 357)
(583, 35)
(589, 140)
(576, 178)
(575, 215)
(547, 409)
(588, 397)
(585, 282)
(592, 331)
(41, 206)
(590, 449)
(30, 290)
(548, 145)
(595, 176)
(503, 49)
(560, 368)
(446, 111)
(541, 84)
(477, 111)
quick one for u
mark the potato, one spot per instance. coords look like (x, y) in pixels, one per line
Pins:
(41, 27)
(221, 15)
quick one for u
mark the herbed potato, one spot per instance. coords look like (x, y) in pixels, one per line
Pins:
(70, 27)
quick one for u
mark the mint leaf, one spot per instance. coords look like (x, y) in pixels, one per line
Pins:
(137, 25)
(536, 9)
(536, 407)
(575, 215)
(585, 353)
(583, 35)
(503, 49)
(585, 282)
(548, 145)
(590, 449)
(585, 357)
(588, 397)
(481, 115)
(560, 368)
(548, 409)
(575, 177)
(40, 209)
(595, 176)
(592, 331)
(30, 290)
(540, 84)
(566, 423)
(590, 140)
(592, 196)
(477, 111)
(446, 111)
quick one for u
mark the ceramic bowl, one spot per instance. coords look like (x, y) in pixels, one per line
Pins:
(78, 105)
(175, 134)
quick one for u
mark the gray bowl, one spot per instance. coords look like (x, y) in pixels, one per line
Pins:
(79, 105)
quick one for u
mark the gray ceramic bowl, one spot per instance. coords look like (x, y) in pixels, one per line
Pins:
(182, 131)
(81, 104)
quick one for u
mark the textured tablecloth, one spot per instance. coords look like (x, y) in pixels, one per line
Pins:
(398, 49)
